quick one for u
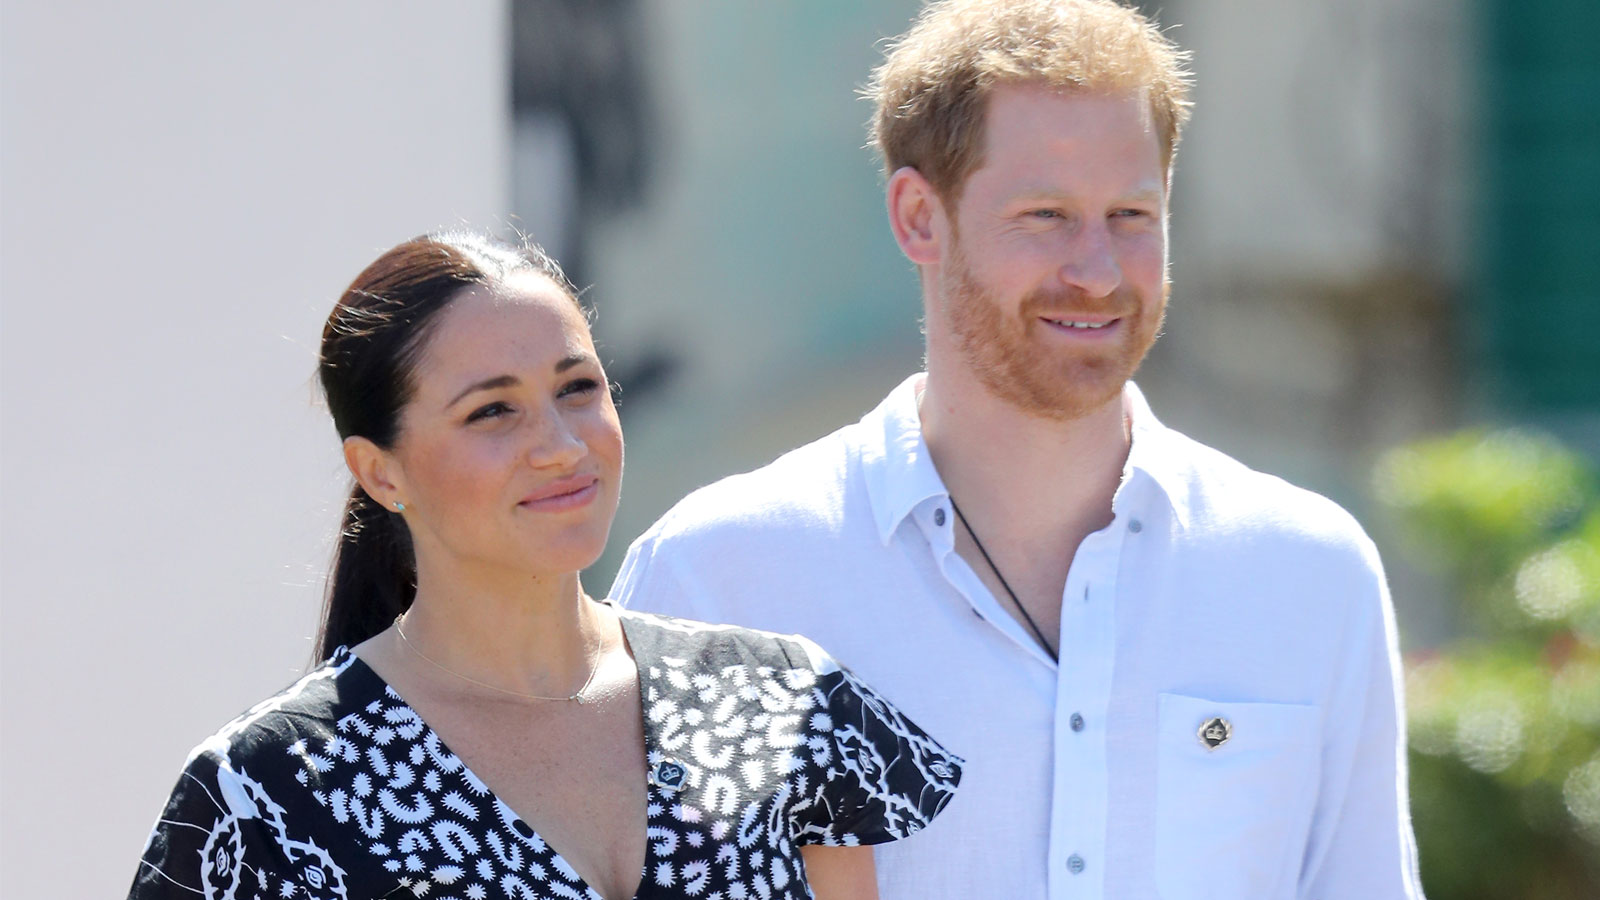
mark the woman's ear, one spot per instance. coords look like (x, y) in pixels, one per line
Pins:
(915, 216)
(378, 473)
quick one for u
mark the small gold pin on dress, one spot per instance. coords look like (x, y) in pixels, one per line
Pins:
(669, 775)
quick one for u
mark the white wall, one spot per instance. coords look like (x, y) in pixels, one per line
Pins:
(186, 188)
(1328, 138)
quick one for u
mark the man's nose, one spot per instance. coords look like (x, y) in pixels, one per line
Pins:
(1091, 265)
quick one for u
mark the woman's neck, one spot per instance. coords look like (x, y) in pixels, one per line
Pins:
(526, 634)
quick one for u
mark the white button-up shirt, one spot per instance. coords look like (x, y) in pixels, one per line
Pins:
(1217, 593)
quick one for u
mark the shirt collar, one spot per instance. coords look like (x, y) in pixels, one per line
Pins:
(1156, 452)
(900, 475)
(899, 472)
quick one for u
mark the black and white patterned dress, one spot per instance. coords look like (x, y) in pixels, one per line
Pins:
(757, 744)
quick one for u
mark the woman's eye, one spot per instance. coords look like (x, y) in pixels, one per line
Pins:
(579, 386)
(488, 411)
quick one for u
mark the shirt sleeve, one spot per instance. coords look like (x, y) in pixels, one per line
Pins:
(874, 776)
(220, 835)
(654, 579)
(641, 585)
(1361, 840)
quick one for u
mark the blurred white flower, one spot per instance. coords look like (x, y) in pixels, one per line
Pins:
(1490, 733)
(1550, 584)
(1582, 793)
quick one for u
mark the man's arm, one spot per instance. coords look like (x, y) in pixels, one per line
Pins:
(654, 582)
(1361, 841)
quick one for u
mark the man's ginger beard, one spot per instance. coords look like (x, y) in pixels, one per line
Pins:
(1014, 361)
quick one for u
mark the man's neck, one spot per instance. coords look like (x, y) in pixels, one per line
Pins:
(1037, 484)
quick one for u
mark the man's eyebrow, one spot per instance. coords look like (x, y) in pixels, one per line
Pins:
(1143, 192)
(488, 384)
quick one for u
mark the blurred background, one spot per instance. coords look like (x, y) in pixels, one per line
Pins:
(1385, 225)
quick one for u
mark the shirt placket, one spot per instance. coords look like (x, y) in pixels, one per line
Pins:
(938, 524)
(1083, 690)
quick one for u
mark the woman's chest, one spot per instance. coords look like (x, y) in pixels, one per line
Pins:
(573, 774)
(704, 778)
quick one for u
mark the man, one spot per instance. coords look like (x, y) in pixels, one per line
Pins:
(1171, 676)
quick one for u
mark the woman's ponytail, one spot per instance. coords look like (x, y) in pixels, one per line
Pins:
(374, 576)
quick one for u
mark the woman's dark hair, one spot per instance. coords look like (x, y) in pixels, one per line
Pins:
(370, 348)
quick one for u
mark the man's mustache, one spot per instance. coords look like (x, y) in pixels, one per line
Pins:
(1064, 304)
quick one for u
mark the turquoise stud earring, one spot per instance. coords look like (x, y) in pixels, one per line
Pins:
(399, 507)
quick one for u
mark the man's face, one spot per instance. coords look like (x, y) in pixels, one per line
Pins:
(1054, 284)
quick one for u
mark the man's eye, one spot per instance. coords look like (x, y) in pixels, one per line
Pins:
(1130, 213)
(488, 411)
(1046, 213)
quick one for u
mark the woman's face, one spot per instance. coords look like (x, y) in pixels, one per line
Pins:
(509, 455)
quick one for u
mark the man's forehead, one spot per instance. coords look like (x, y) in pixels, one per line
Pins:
(1056, 113)
(1031, 128)
(1028, 184)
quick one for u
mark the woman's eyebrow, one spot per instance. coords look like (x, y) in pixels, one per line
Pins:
(569, 361)
(488, 384)
(508, 380)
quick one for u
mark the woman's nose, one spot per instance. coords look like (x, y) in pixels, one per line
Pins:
(556, 443)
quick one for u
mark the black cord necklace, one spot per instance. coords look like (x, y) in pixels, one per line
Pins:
(1005, 584)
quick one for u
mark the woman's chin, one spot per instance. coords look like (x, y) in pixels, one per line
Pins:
(566, 556)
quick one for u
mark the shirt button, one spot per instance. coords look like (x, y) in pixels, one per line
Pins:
(1077, 722)
(938, 517)
(1135, 526)
(1074, 864)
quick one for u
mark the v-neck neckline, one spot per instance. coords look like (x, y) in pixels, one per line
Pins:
(652, 793)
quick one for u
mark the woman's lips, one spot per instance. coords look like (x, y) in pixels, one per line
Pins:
(563, 494)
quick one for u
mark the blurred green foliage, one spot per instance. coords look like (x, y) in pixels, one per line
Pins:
(1505, 721)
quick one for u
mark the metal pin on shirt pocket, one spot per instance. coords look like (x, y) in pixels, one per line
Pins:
(1214, 732)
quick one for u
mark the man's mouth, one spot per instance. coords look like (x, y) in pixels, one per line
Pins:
(1080, 324)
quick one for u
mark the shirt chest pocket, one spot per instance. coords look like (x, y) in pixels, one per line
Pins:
(1235, 787)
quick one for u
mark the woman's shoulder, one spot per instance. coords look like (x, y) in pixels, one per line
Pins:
(864, 773)
(712, 642)
(309, 707)
(246, 816)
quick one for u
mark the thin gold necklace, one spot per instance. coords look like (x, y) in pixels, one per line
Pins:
(575, 696)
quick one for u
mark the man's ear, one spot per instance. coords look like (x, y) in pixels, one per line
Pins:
(375, 470)
(915, 216)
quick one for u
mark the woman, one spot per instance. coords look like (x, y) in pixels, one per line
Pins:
(480, 727)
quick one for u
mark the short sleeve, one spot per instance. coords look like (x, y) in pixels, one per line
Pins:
(874, 776)
(220, 835)
(646, 583)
